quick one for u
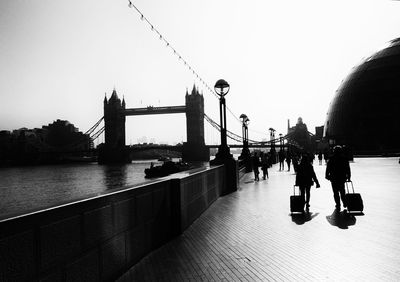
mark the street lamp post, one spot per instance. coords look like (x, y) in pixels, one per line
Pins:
(245, 126)
(222, 88)
(245, 155)
(224, 157)
(272, 138)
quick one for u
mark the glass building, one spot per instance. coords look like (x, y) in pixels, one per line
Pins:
(365, 112)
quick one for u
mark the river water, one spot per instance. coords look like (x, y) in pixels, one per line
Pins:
(26, 189)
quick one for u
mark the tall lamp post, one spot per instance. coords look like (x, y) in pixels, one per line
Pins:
(222, 88)
(281, 141)
(272, 138)
(245, 126)
(224, 157)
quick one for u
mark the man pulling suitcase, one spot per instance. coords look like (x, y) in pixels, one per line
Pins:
(338, 172)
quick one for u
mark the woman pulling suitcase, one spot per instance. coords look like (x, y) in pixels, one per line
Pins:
(305, 178)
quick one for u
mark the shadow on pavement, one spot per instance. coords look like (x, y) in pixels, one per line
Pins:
(341, 219)
(301, 218)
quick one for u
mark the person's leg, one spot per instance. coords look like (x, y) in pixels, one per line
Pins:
(302, 192)
(342, 194)
(308, 188)
(336, 194)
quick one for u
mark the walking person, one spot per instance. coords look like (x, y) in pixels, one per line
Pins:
(295, 162)
(305, 178)
(281, 157)
(288, 161)
(326, 156)
(264, 164)
(338, 172)
(320, 157)
(256, 164)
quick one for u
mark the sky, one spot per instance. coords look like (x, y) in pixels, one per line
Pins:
(282, 59)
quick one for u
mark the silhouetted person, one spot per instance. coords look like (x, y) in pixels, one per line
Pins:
(295, 161)
(338, 172)
(326, 156)
(270, 159)
(304, 179)
(281, 157)
(264, 165)
(320, 157)
(288, 161)
(256, 164)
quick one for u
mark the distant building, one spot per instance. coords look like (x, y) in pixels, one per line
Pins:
(5, 144)
(299, 133)
(42, 144)
(62, 135)
(321, 144)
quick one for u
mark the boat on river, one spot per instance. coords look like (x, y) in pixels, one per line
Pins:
(167, 168)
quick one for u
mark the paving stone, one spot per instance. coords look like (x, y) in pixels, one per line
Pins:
(250, 235)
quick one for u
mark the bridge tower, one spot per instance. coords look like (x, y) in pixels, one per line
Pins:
(114, 149)
(195, 149)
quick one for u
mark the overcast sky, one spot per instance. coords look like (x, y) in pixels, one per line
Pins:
(283, 59)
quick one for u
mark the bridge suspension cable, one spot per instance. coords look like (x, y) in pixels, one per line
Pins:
(288, 137)
(89, 133)
(229, 134)
(98, 133)
(93, 128)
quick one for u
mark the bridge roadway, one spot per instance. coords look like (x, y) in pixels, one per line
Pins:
(179, 148)
(155, 110)
(250, 235)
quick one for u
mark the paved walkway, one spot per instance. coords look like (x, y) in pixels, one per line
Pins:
(251, 236)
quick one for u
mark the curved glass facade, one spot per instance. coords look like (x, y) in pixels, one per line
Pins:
(365, 112)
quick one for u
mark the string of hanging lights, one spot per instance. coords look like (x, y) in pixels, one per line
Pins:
(178, 55)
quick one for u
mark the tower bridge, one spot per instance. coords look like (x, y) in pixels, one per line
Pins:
(115, 113)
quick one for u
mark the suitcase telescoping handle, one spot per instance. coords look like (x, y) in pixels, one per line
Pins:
(294, 190)
(347, 186)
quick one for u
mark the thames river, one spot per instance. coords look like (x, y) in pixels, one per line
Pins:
(26, 189)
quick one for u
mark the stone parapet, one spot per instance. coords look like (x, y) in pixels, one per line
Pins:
(100, 238)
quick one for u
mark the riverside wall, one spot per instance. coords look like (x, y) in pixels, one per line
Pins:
(100, 238)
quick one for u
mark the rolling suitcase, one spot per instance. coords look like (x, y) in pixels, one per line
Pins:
(353, 200)
(296, 202)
